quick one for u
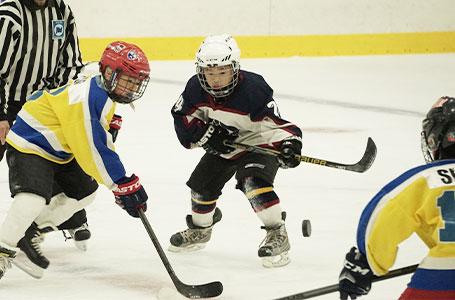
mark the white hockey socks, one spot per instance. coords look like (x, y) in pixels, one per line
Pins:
(23, 211)
(270, 216)
(61, 208)
(203, 220)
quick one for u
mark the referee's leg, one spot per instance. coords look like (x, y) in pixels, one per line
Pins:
(11, 118)
(2, 151)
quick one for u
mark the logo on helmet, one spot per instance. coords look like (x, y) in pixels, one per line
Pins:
(117, 48)
(451, 137)
(132, 55)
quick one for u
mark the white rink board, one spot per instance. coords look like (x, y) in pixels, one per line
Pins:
(152, 18)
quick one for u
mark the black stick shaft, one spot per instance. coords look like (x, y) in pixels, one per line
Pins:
(335, 287)
(361, 166)
(208, 290)
(157, 245)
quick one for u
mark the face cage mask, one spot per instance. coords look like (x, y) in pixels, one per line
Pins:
(221, 92)
(131, 96)
(427, 153)
(431, 150)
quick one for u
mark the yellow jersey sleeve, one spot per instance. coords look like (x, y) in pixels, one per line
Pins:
(411, 203)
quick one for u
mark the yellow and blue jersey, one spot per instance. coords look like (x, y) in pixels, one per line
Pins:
(70, 122)
(421, 201)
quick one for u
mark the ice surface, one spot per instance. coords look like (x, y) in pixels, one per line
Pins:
(338, 102)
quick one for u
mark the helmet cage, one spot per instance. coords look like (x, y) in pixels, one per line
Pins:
(116, 82)
(427, 154)
(430, 146)
(223, 91)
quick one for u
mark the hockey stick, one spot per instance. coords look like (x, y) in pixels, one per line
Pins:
(335, 287)
(361, 166)
(208, 290)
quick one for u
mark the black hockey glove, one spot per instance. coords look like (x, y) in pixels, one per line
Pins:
(216, 137)
(289, 149)
(130, 195)
(114, 126)
(355, 278)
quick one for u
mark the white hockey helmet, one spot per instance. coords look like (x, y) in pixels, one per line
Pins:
(216, 51)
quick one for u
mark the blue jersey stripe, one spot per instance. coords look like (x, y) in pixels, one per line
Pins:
(58, 90)
(111, 160)
(22, 129)
(97, 100)
(433, 280)
(368, 211)
(35, 95)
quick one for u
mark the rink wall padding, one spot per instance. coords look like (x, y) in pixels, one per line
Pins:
(184, 48)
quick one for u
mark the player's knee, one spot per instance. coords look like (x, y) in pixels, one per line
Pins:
(63, 208)
(28, 203)
(249, 185)
(79, 204)
(63, 200)
(87, 200)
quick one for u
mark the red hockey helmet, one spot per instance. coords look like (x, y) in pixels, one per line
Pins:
(125, 70)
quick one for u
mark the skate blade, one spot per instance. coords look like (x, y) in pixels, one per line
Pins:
(25, 264)
(190, 248)
(276, 261)
(81, 245)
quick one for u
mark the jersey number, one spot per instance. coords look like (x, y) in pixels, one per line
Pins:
(447, 204)
(272, 104)
(179, 104)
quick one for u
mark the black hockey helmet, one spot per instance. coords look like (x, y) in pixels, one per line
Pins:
(438, 131)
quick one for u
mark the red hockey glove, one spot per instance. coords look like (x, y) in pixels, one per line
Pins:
(114, 126)
(130, 195)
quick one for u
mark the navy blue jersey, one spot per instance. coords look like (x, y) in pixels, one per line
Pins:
(250, 108)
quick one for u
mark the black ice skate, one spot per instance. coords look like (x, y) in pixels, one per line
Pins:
(6, 257)
(195, 237)
(30, 259)
(274, 248)
(80, 236)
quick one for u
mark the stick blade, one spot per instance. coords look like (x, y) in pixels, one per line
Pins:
(367, 159)
(208, 290)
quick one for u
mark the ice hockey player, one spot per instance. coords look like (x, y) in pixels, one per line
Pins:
(421, 201)
(25, 68)
(62, 135)
(222, 104)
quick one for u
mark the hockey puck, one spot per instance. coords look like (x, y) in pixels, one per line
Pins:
(306, 228)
